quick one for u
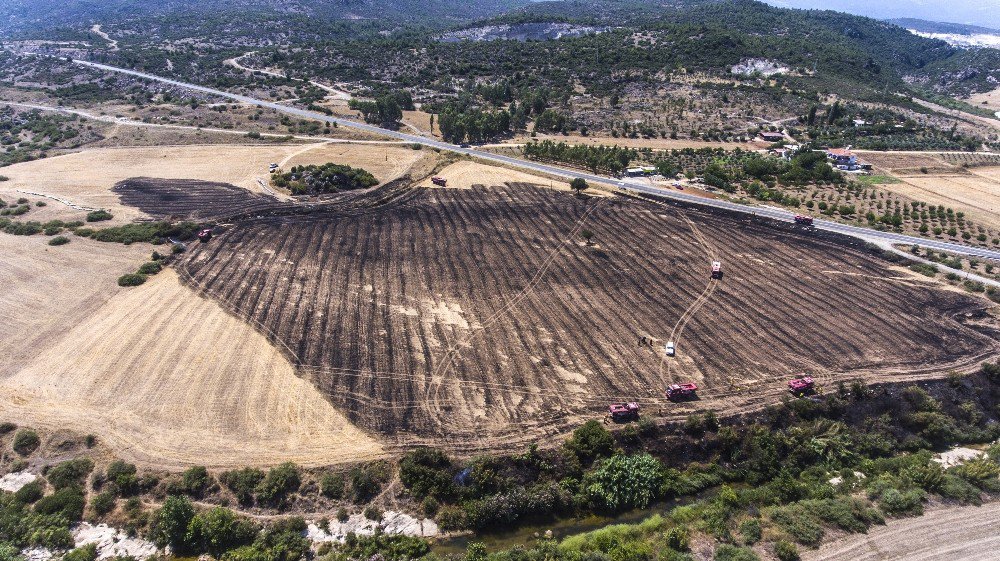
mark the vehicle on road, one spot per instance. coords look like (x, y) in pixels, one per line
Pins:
(205, 235)
(624, 412)
(801, 220)
(683, 391)
(716, 269)
(670, 349)
(440, 181)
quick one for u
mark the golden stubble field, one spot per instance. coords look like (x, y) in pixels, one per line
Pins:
(164, 376)
(86, 178)
(973, 190)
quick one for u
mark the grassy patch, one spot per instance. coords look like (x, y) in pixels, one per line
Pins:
(877, 179)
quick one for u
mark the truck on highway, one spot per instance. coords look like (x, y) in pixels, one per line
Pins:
(801, 220)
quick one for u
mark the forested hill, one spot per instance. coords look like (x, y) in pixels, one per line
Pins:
(26, 15)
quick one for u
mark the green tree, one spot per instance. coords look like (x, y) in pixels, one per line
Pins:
(170, 524)
(579, 184)
(219, 530)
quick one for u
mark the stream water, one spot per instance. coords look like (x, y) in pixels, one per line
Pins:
(526, 535)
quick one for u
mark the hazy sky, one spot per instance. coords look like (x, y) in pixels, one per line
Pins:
(976, 12)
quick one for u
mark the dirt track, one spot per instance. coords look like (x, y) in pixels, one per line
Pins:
(477, 318)
(965, 533)
(170, 379)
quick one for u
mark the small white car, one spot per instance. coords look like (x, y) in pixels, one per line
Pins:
(670, 349)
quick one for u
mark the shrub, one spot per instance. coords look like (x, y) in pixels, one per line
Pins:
(366, 482)
(726, 552)
(678, 539)
(798, 524)
(151, 232)
(123, 475)
(59, 240)
(26, 441)
(150, 268)
(623, 482)
(591, 441)
(373, 513)
(7, 427)
(30, 493)
(277, 484)
(41, 203)
(22, 228)
(332, 486)
(68, 503)
(430, 507)
(427, 472)
(219, 530)
(195, 481)
(99, 216)
(242, 483)
(103, 503)
(848, 514)
(786, 551)
(750, 531)
(895, 502)
(84, 553)
(452, 518)
(70, 473)
(131, 279)
(389, 547)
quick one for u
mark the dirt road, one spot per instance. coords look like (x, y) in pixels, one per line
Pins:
(965, 533)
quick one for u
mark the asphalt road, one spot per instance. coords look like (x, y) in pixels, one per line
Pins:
(866, 234)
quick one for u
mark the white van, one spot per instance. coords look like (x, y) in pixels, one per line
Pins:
(670, 348)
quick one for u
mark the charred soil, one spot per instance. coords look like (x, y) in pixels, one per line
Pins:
(479, 319)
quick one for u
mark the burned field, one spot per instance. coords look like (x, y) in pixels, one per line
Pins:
(189, 198)
(479, 318)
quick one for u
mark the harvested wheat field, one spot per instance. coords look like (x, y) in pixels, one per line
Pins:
(943, 534)
(384, 161)
(47, 290)
(974, 190)
(465, 173)
(171, 379)
(86, 178)
(478, 318)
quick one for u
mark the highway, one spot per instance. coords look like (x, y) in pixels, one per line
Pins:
(866, 234)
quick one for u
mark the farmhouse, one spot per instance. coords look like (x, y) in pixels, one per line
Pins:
(845, 160)
(772, 136)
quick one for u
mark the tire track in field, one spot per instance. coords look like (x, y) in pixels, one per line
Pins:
(446, 361)
(711, 252)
